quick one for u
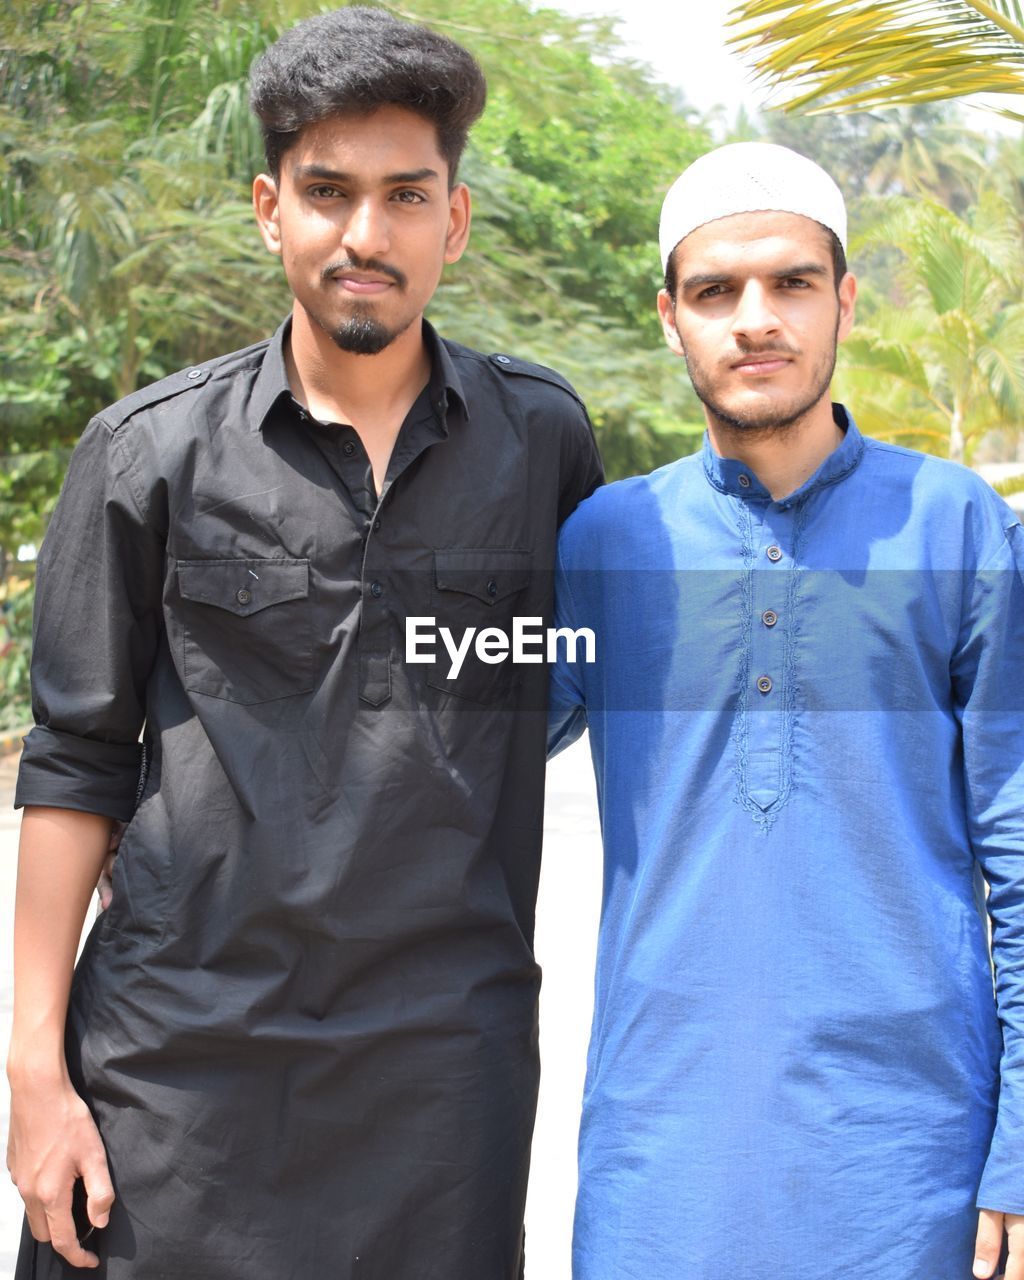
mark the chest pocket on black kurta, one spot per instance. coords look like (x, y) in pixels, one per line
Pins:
(245, 632)
(477, 589)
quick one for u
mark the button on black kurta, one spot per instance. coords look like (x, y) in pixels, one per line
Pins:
(307, 1024)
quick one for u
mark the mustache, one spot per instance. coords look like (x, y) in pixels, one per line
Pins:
(747, 348)
(352, 263)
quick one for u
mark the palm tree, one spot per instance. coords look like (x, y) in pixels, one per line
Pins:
(856, 54)
(923, 150)
(940, 364)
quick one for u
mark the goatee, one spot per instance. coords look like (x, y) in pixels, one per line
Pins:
(362, 336)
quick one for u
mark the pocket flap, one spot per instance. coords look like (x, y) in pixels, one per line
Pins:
(490, 576)
(243, 586)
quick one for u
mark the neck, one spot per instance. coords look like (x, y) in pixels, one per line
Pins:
(338, 386)
(782, 459)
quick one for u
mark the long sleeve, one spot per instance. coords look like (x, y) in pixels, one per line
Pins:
(567, 717)
(989, 677)
(97, 627)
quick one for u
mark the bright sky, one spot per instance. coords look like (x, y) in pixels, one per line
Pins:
(685, 44)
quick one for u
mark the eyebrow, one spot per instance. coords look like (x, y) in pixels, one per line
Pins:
(305, 171)
(725, 277)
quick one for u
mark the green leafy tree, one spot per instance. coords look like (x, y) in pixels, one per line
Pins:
(939, 363)
(563, 266)
(127, 247)
(923, 150)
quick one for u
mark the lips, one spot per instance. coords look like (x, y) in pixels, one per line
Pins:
(362, 285)
(761, 364)
(362, 277)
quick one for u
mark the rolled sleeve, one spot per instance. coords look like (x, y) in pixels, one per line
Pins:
(96, 630)
(66, 772)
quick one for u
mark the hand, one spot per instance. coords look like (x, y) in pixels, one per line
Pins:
(105, 884)
(53, 1141)
(988, 1246)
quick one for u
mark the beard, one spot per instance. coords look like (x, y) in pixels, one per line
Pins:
(362, 335)
(770, 421)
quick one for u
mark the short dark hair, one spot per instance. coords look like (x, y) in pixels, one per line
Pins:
(839, 267)
(354, 61)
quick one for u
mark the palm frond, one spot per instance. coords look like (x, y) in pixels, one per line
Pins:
(955, 261)
(858, 54)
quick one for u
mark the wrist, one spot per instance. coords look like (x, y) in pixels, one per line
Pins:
(36, 1065)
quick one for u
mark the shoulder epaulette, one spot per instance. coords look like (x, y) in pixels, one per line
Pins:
(523, 368)
(174, 384)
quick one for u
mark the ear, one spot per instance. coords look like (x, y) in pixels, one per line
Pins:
(667, 315)
(267, 210)
(460, 215)
(847, 299)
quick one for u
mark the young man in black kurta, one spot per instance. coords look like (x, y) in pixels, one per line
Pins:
(306, 1026)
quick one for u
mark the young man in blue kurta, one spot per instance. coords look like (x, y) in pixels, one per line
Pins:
(806, 722)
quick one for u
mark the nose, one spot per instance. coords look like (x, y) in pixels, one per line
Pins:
(755, 316)
(366, 234)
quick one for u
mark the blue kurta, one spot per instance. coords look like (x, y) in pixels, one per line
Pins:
(806, 722)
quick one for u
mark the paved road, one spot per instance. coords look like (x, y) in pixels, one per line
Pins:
(566, 928)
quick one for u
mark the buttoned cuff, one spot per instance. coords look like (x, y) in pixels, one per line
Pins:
(63, 771)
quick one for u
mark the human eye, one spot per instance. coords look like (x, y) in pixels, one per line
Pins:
(323, 191)
(795, 282)
(711, 291)
(408, 196)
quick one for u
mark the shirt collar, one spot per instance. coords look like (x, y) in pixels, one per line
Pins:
(447, 397)
(735, 478)
(271, 382)
(445, 387)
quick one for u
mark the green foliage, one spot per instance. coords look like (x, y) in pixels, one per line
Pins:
(568, 167)
(125, 242)
(15, 654)
(938, 362)
(925, 150)
(128, 247)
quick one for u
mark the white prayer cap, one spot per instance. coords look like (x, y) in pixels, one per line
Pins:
(749, 177)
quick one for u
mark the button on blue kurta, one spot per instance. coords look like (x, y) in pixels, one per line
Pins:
(806, 722)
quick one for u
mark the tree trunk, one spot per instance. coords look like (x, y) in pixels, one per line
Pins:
(956, 435)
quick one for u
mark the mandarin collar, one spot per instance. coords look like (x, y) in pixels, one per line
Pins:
(444, 388)
(736, 479)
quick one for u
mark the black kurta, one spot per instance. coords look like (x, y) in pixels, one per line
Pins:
(307, 1024)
